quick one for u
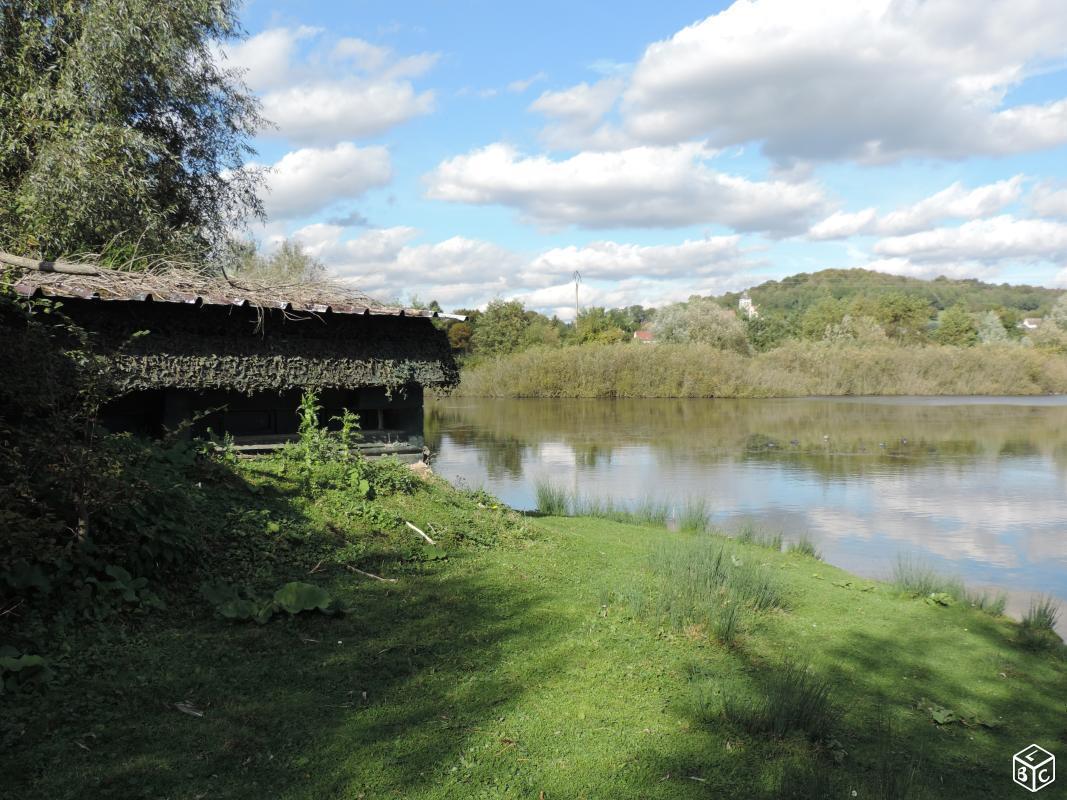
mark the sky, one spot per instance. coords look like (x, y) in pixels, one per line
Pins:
(464, 151)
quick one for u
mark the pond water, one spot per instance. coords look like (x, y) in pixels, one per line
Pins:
(974, 486)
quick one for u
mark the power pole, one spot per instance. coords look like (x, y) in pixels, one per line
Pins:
(577, 280)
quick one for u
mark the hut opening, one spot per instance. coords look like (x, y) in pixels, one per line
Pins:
(235, 358)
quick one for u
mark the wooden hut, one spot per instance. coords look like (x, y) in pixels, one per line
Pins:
(236, 357)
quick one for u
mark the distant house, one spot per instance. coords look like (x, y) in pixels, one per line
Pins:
(644, 337)
(229, 357)
(1031, 323)
(747, 307)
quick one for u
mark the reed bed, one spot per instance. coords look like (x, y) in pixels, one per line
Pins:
(796, 369)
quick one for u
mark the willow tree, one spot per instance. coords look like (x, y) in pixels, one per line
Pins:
(119, 128)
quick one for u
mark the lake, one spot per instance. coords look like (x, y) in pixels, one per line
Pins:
(974, 486)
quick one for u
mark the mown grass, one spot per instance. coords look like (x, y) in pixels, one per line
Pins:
(556, 657)
(795, 369)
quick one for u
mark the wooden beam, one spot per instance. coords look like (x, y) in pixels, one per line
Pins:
(62, 267)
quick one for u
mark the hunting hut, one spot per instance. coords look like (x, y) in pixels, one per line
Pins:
(235, 357)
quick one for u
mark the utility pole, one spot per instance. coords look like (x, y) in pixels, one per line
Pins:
(577, 280)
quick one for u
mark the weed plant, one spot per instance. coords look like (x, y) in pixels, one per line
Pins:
(552, 500)
(748, 533)
(693, 515)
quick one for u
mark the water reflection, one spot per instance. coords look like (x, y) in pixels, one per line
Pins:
(977, 486)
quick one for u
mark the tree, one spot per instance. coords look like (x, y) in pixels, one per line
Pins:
(903, 316)
(956, 327)
(991, 329)
(119, 130)
(821, 317)
(459, 336)
(289, 263)
(500, 328)
(597, 326)
(1058, 315)
(702, 320)
(766, 332)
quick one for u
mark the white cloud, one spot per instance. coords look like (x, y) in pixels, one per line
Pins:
(325, 112)
(640, 187)
(266, 58)
(869, 80)
(953, 202)
(520, 86)
(361, 89)
(464, 272)
(1002, 238)
(618, 261)
(577, 113)
(1049, 201)
(308, 180)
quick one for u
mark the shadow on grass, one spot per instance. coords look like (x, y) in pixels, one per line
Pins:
(380, 700)
(887, 744)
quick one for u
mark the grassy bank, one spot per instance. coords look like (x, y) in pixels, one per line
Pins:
(521, 657)
(793, 370)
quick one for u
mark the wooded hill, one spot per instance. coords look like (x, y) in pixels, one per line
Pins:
(797, 293)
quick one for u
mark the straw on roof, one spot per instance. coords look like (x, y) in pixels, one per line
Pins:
(167, 284)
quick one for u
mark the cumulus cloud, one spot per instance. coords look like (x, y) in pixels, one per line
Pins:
(360, 90)
(640, 187)
(869, 80)
(311, 179)
(1002, 238)
(1048, 200)
(620, 261)
(465, 272)
(577, 113)
(953, 202)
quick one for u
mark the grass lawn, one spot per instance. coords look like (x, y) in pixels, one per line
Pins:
(529, 669)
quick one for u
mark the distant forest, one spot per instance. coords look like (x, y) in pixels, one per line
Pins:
(854, 306)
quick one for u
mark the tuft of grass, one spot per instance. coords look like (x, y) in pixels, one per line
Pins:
(992, 603)
(796, 699)
(805, 547)
(552, 500)
(693, 515)
(1043, 614)
(707, 585)
(649, 512)
(914, 576)
(748, 533)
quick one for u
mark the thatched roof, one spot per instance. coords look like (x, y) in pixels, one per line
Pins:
(166, 284)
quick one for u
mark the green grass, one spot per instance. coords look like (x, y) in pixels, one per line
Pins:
(916, 577)
(748, 533)
(694, 515)
(805, 547)
(563, 656)
(551, 499)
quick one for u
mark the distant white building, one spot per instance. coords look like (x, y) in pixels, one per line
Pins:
(1030, 323)
(747, 307)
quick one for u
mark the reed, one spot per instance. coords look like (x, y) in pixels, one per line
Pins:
(804, 546)
(912, 575)
(694, 515)
(795, 369)
(748, 533)
(552, 500)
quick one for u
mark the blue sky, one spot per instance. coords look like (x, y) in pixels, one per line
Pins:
(469, 150)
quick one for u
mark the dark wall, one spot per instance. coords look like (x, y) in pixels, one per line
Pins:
(169, 345)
